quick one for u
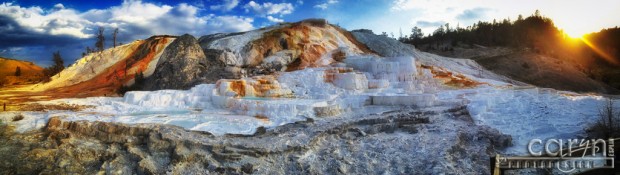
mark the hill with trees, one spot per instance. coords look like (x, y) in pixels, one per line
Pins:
(532, 50)
(15, 72)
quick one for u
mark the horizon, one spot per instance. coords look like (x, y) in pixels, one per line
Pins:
(32, 29)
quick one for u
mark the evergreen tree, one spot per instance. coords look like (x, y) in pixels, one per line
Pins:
(416, 35)
(18, 71)
(59, 63)
(56, 68)
(100, 44)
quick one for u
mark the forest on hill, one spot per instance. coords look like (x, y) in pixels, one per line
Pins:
(595, 54)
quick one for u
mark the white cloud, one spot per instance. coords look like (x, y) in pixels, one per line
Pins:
(429, 14)
(226, 6)
(321, 6)
(59, 21)
(272, 19)
(325, 4)
(229, 23)
(59, 6)
(137, 12)
(269, 8)
(135, 20)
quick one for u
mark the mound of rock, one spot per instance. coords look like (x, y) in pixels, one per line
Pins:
(431, 141)
(180, 67)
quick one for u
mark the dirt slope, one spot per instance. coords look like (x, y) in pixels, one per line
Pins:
(532, 68)
(30, 72)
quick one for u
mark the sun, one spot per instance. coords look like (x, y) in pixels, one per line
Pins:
(575, 35)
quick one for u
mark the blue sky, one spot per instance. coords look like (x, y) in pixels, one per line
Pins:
(32, 30)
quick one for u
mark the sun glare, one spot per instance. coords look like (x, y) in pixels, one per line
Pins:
(600, 51)
(575, 35)
(574, 32)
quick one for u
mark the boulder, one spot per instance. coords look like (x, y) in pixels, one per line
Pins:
(180, 66)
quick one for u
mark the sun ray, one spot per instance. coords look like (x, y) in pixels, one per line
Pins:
(599, 51)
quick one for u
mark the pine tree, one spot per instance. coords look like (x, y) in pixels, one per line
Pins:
(416, 33)
(100, 40)
(58, 66)
(18, 71)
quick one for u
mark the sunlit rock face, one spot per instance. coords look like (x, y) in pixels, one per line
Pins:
(310, 43)
(110, 68)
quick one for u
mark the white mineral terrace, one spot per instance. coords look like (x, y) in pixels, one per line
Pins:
(241, 106)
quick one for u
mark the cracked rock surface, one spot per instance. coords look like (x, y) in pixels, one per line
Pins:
(412, 141)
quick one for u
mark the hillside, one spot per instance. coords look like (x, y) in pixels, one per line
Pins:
(30, 72)
(533, 50)
(532, 68)
(103, 73)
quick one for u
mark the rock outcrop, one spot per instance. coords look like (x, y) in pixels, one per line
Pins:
(294, 46)
(181, 65)
(382, 45)
(103, 73)
(430, 141)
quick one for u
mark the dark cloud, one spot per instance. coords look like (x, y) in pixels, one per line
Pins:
(22, 43)
(14, 35)
(473, 14)
(424, 24)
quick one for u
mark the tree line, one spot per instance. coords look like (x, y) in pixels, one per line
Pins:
(536, 32)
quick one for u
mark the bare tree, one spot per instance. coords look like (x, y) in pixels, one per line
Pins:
(608, 125)
(114, 37)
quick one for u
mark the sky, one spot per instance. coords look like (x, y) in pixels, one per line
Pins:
(31, 29)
